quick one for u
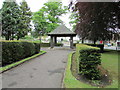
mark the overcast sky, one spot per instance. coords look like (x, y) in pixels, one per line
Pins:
(35, 5)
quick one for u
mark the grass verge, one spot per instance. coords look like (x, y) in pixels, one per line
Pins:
(109, 62)
(2, 69)
(69, 80)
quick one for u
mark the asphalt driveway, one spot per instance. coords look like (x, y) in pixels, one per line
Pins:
(45, 71)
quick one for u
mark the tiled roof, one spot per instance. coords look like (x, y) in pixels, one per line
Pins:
(62, 29)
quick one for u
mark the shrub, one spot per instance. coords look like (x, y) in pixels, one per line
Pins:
(81, 47)
(27, 37)
(17, 50)
(48, 44)
(45, 44)
(59, 44)
(101, 46)
(29, 49)
(89, 60)
(37, 47)
(11, 52)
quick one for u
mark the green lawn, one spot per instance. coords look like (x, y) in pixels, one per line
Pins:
(110, 62)
(70, 81)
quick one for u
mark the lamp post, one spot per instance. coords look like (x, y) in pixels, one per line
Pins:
(40, 38)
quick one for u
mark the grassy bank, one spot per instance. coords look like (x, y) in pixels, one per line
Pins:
(69, 80)
(109, 62)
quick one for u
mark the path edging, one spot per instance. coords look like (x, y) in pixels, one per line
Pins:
(69, 55)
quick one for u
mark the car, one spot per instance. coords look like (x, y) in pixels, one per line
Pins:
(109, 44)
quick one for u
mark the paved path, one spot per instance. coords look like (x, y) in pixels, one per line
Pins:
(45, 71)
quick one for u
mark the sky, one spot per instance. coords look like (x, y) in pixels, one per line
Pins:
(35, 5)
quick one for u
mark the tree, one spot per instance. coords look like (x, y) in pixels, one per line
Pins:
(10, 19)
(47, 18)
(74, 19)
(97, 21)
(39, 21)
(25, 20)
(15, 20)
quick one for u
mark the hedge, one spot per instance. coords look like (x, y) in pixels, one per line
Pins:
(82, 47)
(88, 58)
(59, 44)
(48, 44)
(101, 46)
(7, 67)
(45, 44)
(17, 50)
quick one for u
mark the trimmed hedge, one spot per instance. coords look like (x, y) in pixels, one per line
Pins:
(85, 55)
(15, 51)
(45, 44)
(48, 44)
(88, 62)
(2, 69)
(59, 44)
(101, 46)
(74, 44)
(37, 47)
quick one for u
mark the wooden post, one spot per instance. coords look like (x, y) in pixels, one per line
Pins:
(55, 40)
(51, 42)
(71, 42)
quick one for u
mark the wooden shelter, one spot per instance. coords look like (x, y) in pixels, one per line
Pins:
(61, 31)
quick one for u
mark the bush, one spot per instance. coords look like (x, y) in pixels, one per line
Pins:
(45, 44)
(29, 49)
(11, 52)
(101, 46)
(74, 44)
(59, 44)
(89, 60)
(37, 47)
(17, 50)
(48, 44)
(27, 37)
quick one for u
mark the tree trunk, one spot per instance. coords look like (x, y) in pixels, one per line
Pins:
(55, 40)
(7, 37)
(12, 37)
(18, 38)
(82, 40)
(94, 41)
(103, 42)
